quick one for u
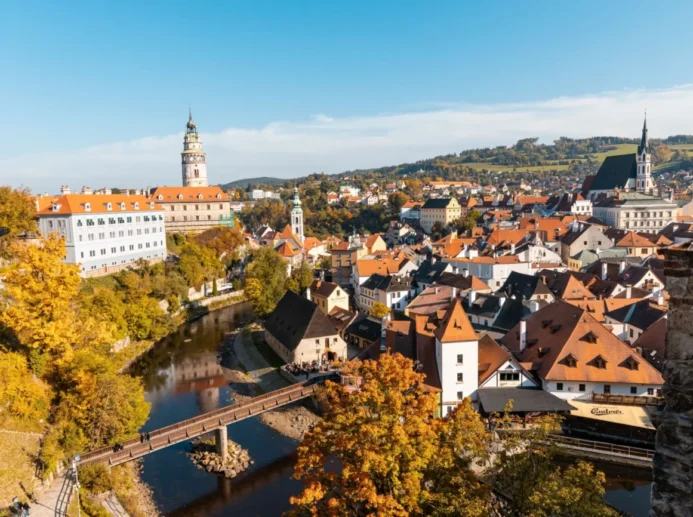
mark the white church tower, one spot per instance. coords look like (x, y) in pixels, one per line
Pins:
(297, 216)
(643, 181)
(193, 158)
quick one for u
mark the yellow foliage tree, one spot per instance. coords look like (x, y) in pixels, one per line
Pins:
(40, 293)
(379, 310)
(24, 400)
(17, 215)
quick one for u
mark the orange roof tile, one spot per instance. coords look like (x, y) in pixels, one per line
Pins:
(491, 357)
(455, 325)
(512, 236)
(287, 250)
(189, 194)
(384, 266)
(561, 332)
(98, 204)
(633, 240)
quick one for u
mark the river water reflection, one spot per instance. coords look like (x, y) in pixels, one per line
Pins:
(183, 378)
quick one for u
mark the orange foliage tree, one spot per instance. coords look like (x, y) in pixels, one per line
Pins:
(381, 450)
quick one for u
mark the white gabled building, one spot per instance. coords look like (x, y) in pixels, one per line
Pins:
(105, 233)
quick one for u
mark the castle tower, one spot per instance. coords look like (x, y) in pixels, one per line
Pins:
(643, 181)
(297, 216)
(193, 157)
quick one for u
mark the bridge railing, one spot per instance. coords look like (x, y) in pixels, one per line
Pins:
(217, 415)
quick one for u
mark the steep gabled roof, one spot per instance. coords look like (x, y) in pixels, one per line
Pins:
(322, 288)
(615, 172)
(455, 326)
(296, 318)
(437, 203)
(560, 329)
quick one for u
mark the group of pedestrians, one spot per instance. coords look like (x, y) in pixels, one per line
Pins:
(145, 437)
(21, 509)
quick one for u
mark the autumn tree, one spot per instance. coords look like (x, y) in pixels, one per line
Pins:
(224, 241)
(397, 199)
(41, 292)
(17, 215)
(199, 264)
(388, 443)
(468, 223)
(24, 399)
(265, 280)
(528, 475)
(379, 310)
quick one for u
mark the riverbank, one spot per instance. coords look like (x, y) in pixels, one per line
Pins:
(241, 353)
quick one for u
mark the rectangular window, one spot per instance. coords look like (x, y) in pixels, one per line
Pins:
(559, 386)
(509, 376)
(581, 387)
(633, 390)
(460, 377)
(460, 395)
(607, 389)
(460, 358)
(650, 391)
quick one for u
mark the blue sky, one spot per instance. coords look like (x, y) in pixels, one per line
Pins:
(82, 79)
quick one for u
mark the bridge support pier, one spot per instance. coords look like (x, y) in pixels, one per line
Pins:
(221, 441)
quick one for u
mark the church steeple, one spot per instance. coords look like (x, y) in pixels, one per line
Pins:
(193, 160)
(644, 144)
(643, 179)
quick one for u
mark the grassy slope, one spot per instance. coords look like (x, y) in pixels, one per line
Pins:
(16, 465)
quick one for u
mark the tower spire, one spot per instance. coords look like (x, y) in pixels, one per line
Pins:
(643, 147)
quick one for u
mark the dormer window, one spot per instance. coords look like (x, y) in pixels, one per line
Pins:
(631, 363)
(122, 205)
(87, 207)
(180, 196)
(160, 197)
(109, 206)
(199, 196)
(599, 362)
(218, 196)
(570, 361)
(151, 205)
(136, 205)
(55, 207)
(545, 323)
(590, 337)
(555, 328)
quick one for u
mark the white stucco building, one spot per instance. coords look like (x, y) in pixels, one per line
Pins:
(105, 233)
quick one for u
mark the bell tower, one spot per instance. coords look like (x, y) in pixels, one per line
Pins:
(643, 181)
(193, 160)
(297, 216)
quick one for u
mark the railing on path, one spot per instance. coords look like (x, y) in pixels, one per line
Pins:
(603, 447)
(201, 424)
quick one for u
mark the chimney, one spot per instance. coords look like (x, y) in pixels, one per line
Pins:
(660, 299)
(622, 267)
(322, 275)
(523, 335)
(308, 294)
(65, 189)
(501, 301)
(455, 269)
(512, 248)
(629, 291)
(465, 272)
(604, 270)
(533, 306)
(471, 297)
(454, 294)
(86, 190)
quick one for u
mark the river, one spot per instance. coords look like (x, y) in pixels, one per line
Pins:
(183, 378)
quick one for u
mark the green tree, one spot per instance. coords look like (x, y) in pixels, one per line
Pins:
(265, 280)
(467, 224)
(527, 473)
(301, 278)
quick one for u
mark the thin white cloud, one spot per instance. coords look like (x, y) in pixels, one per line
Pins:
(323, 143)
